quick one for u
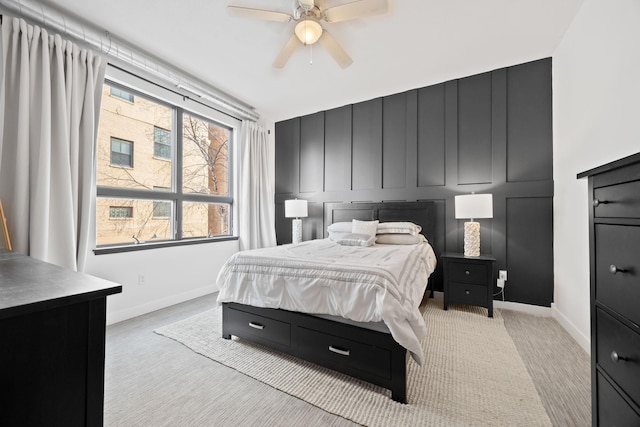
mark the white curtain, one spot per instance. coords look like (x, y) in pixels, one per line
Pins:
(50, 98)
(257, 202)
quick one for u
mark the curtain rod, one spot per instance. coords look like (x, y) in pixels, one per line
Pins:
(108, 45)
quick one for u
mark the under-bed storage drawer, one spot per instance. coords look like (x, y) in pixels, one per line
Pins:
(258, 328)
(342, 354)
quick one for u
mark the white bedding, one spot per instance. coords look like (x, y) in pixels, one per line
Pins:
(364, 284)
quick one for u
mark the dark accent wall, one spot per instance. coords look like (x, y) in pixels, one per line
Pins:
(491, 132)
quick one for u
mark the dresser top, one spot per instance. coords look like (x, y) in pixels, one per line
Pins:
(28, 285)
(625, 161)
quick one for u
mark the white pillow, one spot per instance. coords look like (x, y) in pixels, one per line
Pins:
(355, 239)
(364, 227)
(337, 235)
(341, 227)
(398, 228)
(400, 239)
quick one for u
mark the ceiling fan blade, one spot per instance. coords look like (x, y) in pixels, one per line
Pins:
(268, 15)
(286, 52)
(356, 9)
(333, 47)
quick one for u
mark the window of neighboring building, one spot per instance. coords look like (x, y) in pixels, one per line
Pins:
(122, 94)
(161, 209)
(121, 152)
(180, 185)
(161, 143)
(118, 212)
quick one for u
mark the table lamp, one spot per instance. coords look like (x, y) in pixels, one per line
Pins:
(296, 209)
(470, 206)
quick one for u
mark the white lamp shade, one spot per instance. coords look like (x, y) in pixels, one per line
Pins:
(295, 208)
(474, 206)
(308, 31)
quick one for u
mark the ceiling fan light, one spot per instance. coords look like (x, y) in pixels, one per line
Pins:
(308, 31)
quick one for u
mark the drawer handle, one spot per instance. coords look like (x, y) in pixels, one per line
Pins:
(616, 357)
(613, 269)
(256, 325)
(339, 350)
(467, 292)
(467, 272)
(598, 202)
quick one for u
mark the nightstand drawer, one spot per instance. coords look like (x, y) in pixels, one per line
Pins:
(618, 287)
(466, 293)
(617, 353)
(467, 272)
(259, 328)
(617, 201)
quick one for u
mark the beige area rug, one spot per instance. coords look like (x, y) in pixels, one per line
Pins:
(472, 374)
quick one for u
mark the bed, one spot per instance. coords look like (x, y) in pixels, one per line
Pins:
(367, 343)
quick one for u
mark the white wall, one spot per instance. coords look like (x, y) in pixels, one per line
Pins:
(596, 92)
(171, 275)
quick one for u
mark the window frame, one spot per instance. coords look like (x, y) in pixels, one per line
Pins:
(137, 86)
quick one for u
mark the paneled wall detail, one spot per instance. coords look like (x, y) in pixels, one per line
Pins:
(490, 132)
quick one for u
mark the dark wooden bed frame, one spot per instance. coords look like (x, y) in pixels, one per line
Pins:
(363, 353)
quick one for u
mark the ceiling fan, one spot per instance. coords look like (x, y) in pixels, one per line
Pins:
(308, 29)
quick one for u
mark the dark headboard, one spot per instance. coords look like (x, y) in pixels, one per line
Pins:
(420, 213)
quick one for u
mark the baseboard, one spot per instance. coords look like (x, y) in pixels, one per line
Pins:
(139, 310)
(582, 340)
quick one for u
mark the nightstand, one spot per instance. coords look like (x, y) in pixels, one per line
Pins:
(468, 280)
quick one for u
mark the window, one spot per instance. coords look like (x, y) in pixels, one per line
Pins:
(121, 152)
(119, 212)
(122, 94)
(161, 209)
(180, 185)
(161, 143)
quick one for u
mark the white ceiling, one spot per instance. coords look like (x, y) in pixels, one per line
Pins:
(416, 44)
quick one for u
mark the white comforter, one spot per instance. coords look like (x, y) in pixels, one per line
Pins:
(364, 284)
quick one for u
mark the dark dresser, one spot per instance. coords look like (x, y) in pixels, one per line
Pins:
(614, 246)
(52, 333)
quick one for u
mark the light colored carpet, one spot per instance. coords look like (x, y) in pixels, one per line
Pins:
(472, 375)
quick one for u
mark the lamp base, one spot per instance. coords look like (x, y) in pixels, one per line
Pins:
(471, 238)
(296, 231)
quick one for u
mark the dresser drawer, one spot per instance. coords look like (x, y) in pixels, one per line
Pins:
(619, 246)
(466, 293)
(618, 353)
(467, 272)
(258, 328)
(613, 410)
(342, 354)
(617, 201)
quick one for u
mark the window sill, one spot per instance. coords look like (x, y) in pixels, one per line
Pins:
(157, 245)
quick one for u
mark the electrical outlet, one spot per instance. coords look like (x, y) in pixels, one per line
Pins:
(140, 279)
(500, 283)
(502, 274)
